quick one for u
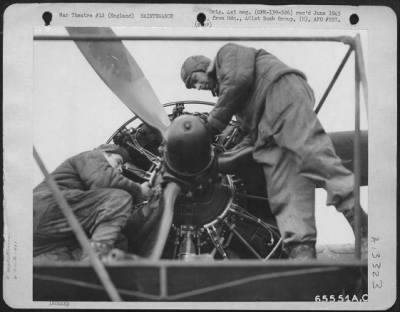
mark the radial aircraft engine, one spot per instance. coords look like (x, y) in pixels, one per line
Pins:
(205, 203)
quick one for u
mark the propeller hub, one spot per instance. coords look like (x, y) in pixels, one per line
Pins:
(188, 150)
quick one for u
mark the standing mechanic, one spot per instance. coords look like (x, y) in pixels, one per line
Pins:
(100, 196)
(274, 105)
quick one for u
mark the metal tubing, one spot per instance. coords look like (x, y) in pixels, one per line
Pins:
(88, 285)
(242, 239)
(215, 239)
(357, 160)
(274, 249)
(94, 37)
(267, 277)
(190, 102)
(163, 283)
(231, 137)
(361, 68)
(98, 266)
(252, 196)
(333, 81)
(254, 219)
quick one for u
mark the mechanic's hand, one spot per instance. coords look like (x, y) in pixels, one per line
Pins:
(147, 190)
(245, 142)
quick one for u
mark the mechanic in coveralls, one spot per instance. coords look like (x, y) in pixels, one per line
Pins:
(274, 105)
(100, 196)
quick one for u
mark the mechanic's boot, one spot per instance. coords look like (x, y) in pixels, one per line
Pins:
(350, 217)
(101, 248)
(301, 251)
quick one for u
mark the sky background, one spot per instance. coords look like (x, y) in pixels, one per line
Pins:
(75, 111)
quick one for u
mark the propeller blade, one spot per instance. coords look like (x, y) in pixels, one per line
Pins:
(121, 73)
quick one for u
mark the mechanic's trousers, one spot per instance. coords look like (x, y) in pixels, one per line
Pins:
(296, 154)
(102, 214)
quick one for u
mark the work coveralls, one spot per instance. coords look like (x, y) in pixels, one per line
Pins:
(100, 197)
(274, 103)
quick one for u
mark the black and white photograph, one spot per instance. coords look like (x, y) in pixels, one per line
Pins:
(203, 164)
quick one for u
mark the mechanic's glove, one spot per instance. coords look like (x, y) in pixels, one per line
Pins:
(146, 189)
(211, 130)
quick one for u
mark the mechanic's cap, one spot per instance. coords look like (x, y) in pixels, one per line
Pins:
(116, 149)
(195, 63)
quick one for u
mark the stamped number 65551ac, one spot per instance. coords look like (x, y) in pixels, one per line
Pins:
(340, 298)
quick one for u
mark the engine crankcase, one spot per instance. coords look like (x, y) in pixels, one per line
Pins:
(205, 206)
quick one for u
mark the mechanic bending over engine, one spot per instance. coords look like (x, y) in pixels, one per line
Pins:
(100, 196)
(274, 105)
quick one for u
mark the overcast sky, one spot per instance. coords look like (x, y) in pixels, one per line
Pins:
(75, 111)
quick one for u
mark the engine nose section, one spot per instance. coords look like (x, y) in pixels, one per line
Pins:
(188, 149)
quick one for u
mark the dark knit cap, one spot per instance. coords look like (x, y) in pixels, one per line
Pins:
(195, 63)
(116, 149)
